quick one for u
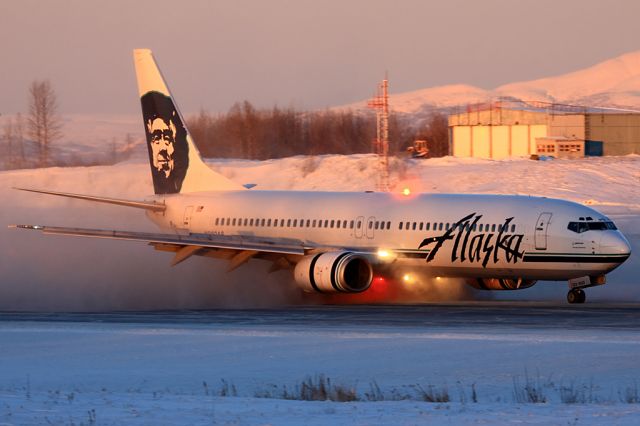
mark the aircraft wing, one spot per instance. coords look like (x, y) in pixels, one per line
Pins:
(238, 249)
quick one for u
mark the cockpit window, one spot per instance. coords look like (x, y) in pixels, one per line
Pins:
(577, 227)
(580, 227)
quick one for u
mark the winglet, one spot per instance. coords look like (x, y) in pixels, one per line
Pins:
(33, 227)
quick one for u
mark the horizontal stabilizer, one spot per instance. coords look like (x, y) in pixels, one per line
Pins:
(153, 206)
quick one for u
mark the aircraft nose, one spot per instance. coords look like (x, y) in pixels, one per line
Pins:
(614, 243)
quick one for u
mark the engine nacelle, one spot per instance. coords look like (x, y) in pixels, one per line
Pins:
(333, 272)
(500, 283)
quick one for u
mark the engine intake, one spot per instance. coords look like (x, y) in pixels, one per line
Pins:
(500, 283)
(333, 272)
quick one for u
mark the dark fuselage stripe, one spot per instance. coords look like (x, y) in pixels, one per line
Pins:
(413, 255)
(575, 259)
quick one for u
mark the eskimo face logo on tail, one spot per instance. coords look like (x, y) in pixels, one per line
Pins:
(163, 136)
(166, 142)
(472, 246)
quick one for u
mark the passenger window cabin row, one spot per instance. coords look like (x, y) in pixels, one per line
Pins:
(286, 223)
(440, 226)
(345, 224)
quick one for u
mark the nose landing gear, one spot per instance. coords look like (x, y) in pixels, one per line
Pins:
(576, 295)
(577, 286)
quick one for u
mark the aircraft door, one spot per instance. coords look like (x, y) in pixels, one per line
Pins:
(541, 231)
(187, 216)
(358, 226)
(370, 222)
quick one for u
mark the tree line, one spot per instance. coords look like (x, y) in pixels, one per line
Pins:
(258, 134)
(243, 132)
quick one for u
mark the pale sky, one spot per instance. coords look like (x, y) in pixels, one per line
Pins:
(304, 53)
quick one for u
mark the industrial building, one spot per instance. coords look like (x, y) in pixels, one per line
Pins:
(494, 131)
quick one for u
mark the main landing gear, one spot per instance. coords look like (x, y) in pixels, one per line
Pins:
(576, 295)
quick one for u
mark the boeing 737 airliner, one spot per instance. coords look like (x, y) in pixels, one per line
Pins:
(336, 242)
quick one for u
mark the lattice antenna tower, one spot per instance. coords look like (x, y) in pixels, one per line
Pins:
(380, 103)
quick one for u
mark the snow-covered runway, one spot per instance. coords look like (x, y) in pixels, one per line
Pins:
(171, 367)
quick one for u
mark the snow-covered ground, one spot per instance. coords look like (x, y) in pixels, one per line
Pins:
(105, 373)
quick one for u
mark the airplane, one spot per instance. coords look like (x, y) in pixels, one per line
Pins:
(337, 242)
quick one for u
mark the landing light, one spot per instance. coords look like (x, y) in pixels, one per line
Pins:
(409, 279)
(384, 254)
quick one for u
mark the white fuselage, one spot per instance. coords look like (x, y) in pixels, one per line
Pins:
(500, 237)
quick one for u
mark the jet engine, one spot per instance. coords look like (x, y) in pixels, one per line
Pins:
(333, 272)
(500, 283)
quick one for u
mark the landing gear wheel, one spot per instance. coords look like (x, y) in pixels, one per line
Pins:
(576, 296)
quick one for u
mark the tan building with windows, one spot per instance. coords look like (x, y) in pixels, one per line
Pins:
(496, 132)
(560, 147)
(619, 133)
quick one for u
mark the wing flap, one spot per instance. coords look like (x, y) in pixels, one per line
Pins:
(200, 240)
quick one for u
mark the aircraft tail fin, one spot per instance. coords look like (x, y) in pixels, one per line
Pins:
(176, 165)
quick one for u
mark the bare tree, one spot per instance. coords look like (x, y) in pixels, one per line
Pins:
(8, 136)
(18, 132)
(114, 151)
(436, 132)
(128, 143)
(43, 123)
